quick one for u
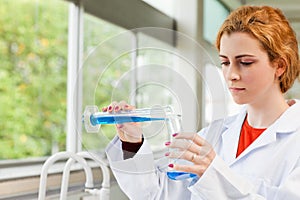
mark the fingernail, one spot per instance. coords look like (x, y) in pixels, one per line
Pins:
(167, 154)
(110, 108)
(171, 165)
(104, 109)
(175, 134)
(126, 106)
(167, 143)
(119, 125)
(117, 108)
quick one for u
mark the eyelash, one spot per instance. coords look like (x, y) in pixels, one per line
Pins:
(246, 63)
(224, 63)
(243, 63)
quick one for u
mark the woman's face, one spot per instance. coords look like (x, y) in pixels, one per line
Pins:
(247, 70)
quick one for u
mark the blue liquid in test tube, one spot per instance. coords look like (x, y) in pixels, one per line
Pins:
(119, 119)
(92, 118)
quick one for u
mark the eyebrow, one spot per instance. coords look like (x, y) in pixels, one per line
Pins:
(238, 56)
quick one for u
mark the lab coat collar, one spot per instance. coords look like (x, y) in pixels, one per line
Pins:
(287, 123)
(231, 135)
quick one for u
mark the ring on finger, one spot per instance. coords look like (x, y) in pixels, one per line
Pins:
(193, 157)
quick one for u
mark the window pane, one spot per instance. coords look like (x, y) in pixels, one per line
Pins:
(294, 92)
(107, 59)
(156, 82)
(111, 74)
(214, 15)
(33, 53)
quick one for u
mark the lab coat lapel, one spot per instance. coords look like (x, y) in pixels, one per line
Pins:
(267, 137)
(287, 123)
(230, 138)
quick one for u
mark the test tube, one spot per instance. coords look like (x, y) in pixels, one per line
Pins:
(93, 119)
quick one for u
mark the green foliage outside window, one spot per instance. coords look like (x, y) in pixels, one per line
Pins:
(33, 75)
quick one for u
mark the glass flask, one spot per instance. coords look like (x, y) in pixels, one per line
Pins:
(175, 126)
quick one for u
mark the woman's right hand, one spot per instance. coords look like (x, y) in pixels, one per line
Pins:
(127, 132)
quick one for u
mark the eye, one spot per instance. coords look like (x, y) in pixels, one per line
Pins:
(246, 63)
(225, 63)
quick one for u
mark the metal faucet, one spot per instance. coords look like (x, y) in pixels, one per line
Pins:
(80, 157)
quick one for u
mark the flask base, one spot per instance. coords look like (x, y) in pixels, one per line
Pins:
(176, 175)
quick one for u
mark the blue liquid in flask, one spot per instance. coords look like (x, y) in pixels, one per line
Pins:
(176, 175)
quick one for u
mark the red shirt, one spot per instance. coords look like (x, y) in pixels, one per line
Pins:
(247, 136)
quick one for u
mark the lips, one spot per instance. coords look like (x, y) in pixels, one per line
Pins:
(236, 89)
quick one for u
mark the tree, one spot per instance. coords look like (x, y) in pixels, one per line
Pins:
(33, 57)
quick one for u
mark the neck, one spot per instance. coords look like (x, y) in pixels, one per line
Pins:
(262, 114)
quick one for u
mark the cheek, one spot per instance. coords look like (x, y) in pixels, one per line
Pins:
(224, 72)
(250, 77)
(260, 78)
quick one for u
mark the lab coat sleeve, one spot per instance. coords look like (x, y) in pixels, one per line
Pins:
(140, 177)
(136, 176)
(290, 189)
(219, 182)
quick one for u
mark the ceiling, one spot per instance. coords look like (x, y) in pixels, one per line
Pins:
(291, 9)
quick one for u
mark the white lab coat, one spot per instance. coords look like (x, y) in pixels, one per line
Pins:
(268, 169)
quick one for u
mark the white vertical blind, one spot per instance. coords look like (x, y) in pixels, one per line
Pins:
(74, 88)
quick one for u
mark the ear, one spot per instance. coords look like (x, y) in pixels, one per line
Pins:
(280, 66)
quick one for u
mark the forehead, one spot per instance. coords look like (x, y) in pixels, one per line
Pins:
(240, 43)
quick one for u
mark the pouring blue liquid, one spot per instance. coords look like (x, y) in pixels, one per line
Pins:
(93, 119)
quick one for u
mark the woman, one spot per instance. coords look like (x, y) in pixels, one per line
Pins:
(257, 152)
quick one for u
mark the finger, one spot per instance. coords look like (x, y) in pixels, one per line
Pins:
(111, 107)
(125, 106)
(181, 144)
(188, 145)
(130, 132)
(119, 126)
(186, 155)
(195, 169)
(191, 136)
(197, 158)
(291, 102)
(104, 109)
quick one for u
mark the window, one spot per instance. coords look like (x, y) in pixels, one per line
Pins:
(33, 59)
(111, 57)
(107, 59)
(34, 73)
(294, 92)
(130, 66)
(214, 13)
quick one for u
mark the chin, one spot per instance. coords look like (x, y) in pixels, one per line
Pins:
(239, 101)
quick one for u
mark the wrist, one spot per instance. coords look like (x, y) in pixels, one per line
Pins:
(130, 149)
(132, 141)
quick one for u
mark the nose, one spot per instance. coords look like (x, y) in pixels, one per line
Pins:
(231, 72)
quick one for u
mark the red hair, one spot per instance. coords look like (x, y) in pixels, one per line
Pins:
(271, 28)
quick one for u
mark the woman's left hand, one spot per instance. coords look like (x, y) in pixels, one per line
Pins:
(193, 148)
